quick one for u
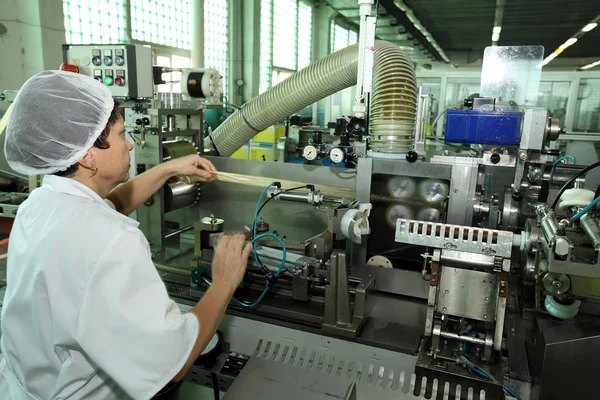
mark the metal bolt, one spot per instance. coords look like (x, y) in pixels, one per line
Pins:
(523, 156)
(447, 291)
(445, 309)
(557, 284)
(487, 299)
(455, 190)
(485, 317)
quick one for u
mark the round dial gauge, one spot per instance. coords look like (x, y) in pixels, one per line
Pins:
(337, 155)
(214, 341)
(310, 152)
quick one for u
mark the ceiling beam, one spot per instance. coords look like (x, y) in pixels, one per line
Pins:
(403, 19)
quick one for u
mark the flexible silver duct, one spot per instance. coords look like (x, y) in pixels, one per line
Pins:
(329, 75)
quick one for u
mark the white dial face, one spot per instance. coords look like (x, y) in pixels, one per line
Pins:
(211, 345)
(310, 152)
(336, 155)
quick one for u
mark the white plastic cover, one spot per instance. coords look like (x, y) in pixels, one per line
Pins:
(55, 120)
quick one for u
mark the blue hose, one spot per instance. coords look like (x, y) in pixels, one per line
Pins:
(555, 163)
(586, 209)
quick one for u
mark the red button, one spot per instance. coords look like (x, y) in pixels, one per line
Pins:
(119, 81)
(69, 68)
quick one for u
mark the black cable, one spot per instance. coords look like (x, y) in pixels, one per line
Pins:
(271, 198)
(260, 267)
(215, 384)
(570, 182)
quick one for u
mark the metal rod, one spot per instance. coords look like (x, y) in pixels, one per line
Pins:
(591, 228)
(173, 270)
(179, 231)
(463, 338)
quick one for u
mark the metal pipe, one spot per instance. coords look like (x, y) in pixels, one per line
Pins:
(172, 270)
(463, 338)
(591, 228)
(179, 231)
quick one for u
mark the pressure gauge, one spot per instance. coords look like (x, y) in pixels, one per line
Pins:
(337, 155)
(212, 350)
(310, 152)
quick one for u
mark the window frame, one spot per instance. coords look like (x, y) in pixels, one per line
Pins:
(267, 67)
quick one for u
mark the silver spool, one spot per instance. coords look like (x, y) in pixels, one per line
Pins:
(397, 211)
(433, 191)
(402, 187)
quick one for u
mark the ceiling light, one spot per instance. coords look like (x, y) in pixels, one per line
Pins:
(592, 65)
(547, 60)
(589, 27)
(567, 43)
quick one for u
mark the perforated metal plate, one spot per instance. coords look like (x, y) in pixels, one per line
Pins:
(279, 371)
(455, 237)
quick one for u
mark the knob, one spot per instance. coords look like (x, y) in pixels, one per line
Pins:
(495, 158)
(412, 156)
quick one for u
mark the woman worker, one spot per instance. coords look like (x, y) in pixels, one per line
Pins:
(85, 313)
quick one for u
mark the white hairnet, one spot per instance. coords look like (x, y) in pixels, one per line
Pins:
(55, 120)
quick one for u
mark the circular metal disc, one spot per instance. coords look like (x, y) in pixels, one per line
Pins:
(429, 215)
(379, 261)
(433, 190)
(398, 211)
(556, 283)
(402, 187)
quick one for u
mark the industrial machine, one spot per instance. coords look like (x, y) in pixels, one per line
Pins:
(464, 266)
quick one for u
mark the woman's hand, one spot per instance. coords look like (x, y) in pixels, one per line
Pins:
(190, 166)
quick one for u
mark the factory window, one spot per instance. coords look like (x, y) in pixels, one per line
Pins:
(172, 78)
(89, 21)
(458, 89)
(554, 97)
(216, 14)
(342, 37)
(164, 22)
(304, 34)
(285, 39)
(587, 109)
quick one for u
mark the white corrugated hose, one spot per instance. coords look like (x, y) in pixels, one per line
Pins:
(393, 101)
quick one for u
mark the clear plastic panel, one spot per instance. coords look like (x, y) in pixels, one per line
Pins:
(510, 74)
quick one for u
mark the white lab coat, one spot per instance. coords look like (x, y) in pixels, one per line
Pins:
(85, 313)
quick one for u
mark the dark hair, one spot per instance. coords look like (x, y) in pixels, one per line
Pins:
(101, 142)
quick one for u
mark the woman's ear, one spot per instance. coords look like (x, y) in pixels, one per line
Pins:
(89, 160)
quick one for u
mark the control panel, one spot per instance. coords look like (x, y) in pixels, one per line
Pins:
(125, 69)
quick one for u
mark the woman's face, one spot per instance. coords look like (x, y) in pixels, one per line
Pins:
(113, 163)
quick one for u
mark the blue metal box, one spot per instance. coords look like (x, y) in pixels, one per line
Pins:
(500, 128)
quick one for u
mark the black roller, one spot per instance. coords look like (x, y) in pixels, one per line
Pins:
(194, 84)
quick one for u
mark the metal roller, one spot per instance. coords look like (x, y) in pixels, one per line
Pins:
(178, 195)
(429, 214)
(177, 148)
(398, 211)
(402, 187)
(433, 191)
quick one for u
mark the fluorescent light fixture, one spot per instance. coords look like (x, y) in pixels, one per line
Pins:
(497, 30)
(567, 43)
(495, 37)
(589, 27)
(592, 65)
(547, 60)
